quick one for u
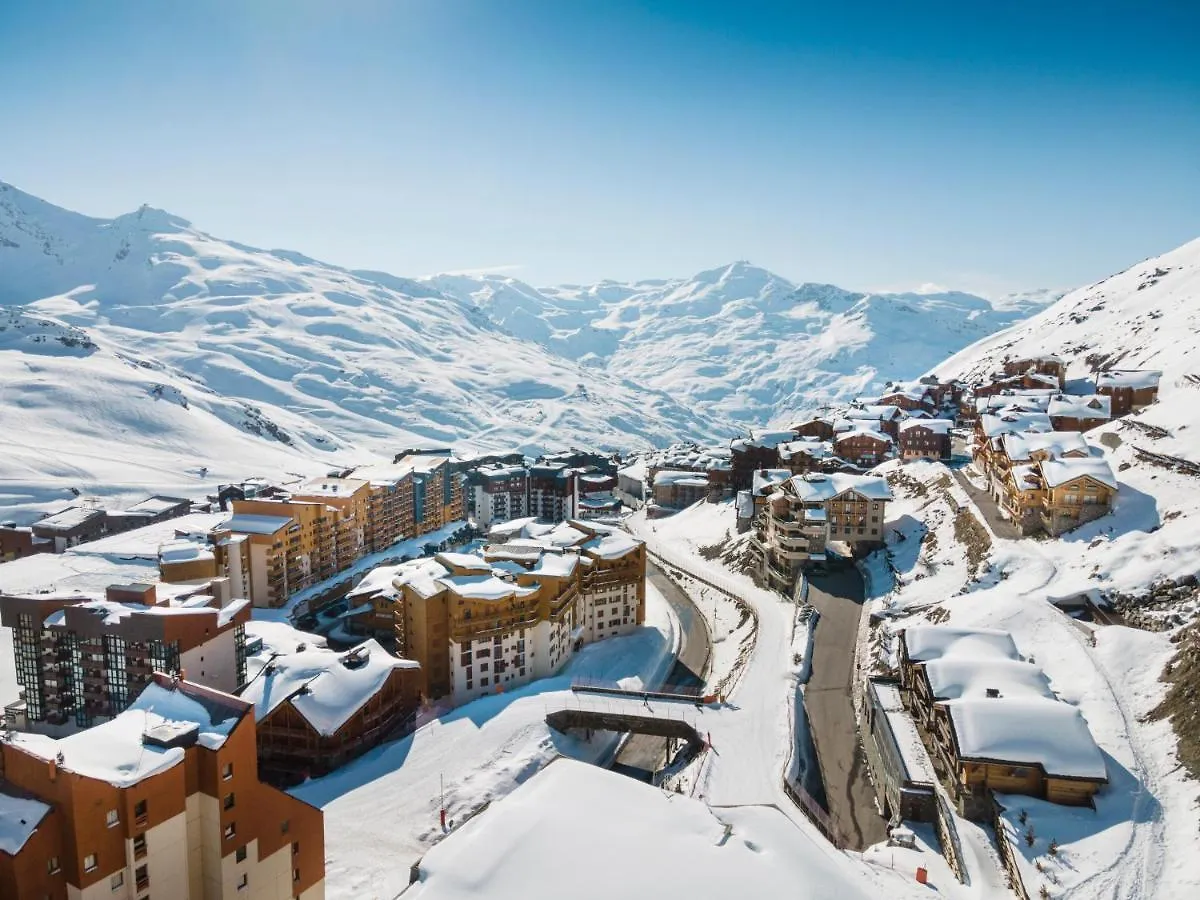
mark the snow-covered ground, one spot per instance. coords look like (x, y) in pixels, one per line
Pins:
(1140, 841)
(382, 810)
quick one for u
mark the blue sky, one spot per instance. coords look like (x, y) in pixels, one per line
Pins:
(993, 147)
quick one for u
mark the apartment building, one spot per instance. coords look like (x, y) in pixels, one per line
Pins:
(993, 720)
(71, 526)
(675, 490)
(390, 516)
(758, 451)
(500, 493)
(17, 541)
(804, 513)
(925, 439)
(1129, 389)
(346, 502)
(864, 447)
(481, 624)
(1050, 366)
(83, 659)
(437, 490)
(163, 800)
(552, 492)
(317, 709)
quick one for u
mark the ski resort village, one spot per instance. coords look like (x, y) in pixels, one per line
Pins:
(319, 582)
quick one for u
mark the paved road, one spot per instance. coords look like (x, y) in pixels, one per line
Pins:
(829, 702)
(644, 752)
(983, 501)
(696, 644)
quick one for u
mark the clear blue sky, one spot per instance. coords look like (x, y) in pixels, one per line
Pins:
(989, 146)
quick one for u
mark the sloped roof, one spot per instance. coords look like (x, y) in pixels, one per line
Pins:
(1138, 379)
(1060, 471)
(925, 643)
(1094, 406)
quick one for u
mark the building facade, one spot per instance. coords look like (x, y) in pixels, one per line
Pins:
(162, 801)
(83, 660)
(925, 439)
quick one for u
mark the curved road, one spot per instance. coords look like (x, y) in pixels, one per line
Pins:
(829, 702)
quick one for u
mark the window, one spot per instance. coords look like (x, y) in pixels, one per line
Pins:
(89, 863)
(139, 812)
(228, 803)
(52, 866)
(241, 854)
(483, 667)
(117, 881)
(295, 874)
(227, 771)
(243, 882)
(139, 846)
(285, 826)
(230, 830)
(112, 818)
(142, 876)
(483, 682)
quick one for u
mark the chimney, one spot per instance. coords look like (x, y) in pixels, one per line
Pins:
(145, 594)
(993, 693)
(222, 591)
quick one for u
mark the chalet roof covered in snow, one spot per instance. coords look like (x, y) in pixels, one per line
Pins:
(763, 440)
(859, 432)
(925, 643)
(1011, 422)
(958, 676)
(764, 480)
(1035, 400)
(814, 449)
(682, 479)
(1137, 379)
(875, 412)
(1061, 471)
(937, 426)
(1028, 730)
(324, 686)
(1094, 406)
(115, 752)
(1021, 446)
(814, 487)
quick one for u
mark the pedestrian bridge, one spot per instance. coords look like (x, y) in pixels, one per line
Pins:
(609, 709)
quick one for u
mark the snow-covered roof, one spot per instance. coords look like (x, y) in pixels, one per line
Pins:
(424, 463)
(1138, 379)
(1027, 477)
(499, 471)
(246, 523)
(156, 505)
(1060, 471)
(938, 426)
(957, 676)
(658, 843)
(813, 487)
(19, 818)
(908, 740)
(814, 449)
(324, 686)
(765, 480)
(611, 546)
(858, 432)
(1022, 446)
(684, 479)
(385, 474)
(874, 412)
(184, 550)
(66, 519)
(467, 561)
(557, 565)
(1015, 401)
(331, 487)
(1011, 422)
(765, 440)
(114, 751)
(1028, 730)
(1094, 406)
(925, 643)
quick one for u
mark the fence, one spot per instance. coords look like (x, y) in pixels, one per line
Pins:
(814, 812)
(1007, 852)
(948, 836)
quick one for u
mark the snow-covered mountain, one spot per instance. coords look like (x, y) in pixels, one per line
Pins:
(740, 343)
(262, 355)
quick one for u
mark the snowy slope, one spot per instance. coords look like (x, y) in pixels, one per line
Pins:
(739, 342)
(1140, 842)
(338, 361)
